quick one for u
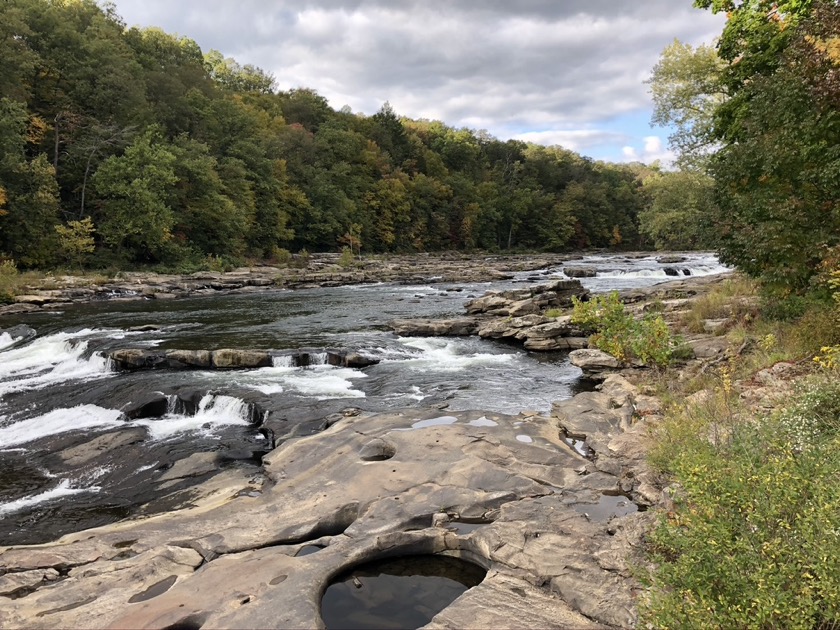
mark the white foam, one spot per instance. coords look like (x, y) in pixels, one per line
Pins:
(213, 412)
(322, 382)
(50, 360)
(59, 421)
(527, 439)
(325, 382)
(7, 340)
(63, 489)
(287, 361)
(442, 355)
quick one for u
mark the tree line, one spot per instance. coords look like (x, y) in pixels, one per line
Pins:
(757, 121)
(131, 146)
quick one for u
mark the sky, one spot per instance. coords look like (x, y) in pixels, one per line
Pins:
(566, 72)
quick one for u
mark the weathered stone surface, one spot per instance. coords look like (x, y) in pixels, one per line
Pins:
(135, 359)
(593, 360)
(192, 466)
(233, 358)
(12, 583)
(182, 359)
(84, 453)
(580, 272)
(461, 327)
(366, 488)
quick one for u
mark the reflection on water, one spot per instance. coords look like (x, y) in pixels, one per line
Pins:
(397, 593)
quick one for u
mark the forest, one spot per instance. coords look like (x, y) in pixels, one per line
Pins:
(125, 146)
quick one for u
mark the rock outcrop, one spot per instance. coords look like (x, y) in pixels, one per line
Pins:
(369, 487)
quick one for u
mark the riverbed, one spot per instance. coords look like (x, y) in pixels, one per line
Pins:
(74, 459)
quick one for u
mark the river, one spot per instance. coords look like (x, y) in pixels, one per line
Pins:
(72, 459)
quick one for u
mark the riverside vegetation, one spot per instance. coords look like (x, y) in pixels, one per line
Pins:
(749, 447)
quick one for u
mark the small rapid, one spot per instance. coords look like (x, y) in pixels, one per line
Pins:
(78, 453)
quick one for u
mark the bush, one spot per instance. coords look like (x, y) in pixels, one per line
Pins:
(616, 332)
(8, 281)
(346, 260)
(753, 538)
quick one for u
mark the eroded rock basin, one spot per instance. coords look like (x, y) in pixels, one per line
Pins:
(396, 593)
(370, 488)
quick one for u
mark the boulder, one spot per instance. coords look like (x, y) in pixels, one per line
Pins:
(461, 327)
(490, 303)
(19, 333)
(670, 260)
(509, 327)
(39, 300)
(580, 272)
(551, 345)
(592, 360)
(229, 358)
(350, 359)
(152, 405)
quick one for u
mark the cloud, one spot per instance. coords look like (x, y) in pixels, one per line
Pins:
(652, 151)
(531, 66)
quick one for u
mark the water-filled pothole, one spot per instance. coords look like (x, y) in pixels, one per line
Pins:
(396, 593)
(608, 506)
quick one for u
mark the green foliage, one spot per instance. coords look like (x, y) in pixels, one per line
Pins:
(678, 213)
(76, 240)
(687, 89)
(8, 281)
(618, 333)
(177, 155)
(133, 192)
(778, 168)
(346, 260)
(751, 542)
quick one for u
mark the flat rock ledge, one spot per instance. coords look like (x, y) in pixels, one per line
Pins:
(134, 359)
(369, 487)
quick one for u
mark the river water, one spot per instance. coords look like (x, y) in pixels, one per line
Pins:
(71, 459)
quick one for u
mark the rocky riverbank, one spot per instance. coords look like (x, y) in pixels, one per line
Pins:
(318, 270)
(552, 506)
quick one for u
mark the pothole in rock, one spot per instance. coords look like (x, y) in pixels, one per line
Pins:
(578, 446)
(608, 507)
(397, 592)
(308, 550)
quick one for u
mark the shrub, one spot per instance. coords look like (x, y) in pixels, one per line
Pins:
(752, 540)
(346, 260)
(618, 333)
(8, 281)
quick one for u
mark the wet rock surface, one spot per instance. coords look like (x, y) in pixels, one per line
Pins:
(371, 486)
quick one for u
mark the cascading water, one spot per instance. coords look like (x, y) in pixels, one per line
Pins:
(58, 393)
